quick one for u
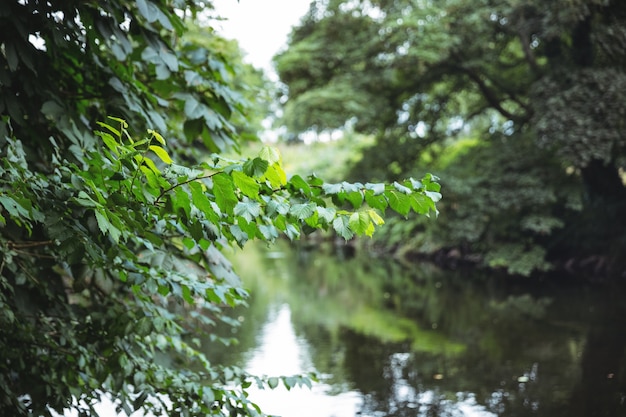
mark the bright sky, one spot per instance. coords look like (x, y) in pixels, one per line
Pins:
(260, 26)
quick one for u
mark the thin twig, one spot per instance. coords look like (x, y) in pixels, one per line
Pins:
(21, 245)
(33, 254)
(167, 190)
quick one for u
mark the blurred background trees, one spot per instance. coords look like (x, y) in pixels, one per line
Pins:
(520, 106)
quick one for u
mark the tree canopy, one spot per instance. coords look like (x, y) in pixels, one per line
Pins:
(513, 96)
(115, 201)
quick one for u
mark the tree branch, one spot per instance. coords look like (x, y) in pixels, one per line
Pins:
(167, 190)
(490, 95)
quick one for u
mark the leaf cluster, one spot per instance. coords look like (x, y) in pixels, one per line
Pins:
(66, 65)
(129, 261)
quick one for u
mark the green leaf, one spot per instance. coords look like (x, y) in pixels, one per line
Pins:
(276, 176)
(289, 382)
(152, 179)
(103, 222)
(355, 198)
(341, 225)
(249, 227)
(224, 191)
(330, 189)
(240, 236)
(148, 10)
(376, 201)
(280, 222)
(195, 230)
(249, 210)
(255, 167)
(111, 129)
(277, 207)
(313, 220)
(121, 121)
(189, 243)
(200, 200)
(193, 108)
(298, 183)
(187, 295)
(375, 217)
(181, 200)
(270, 154)
(148, 162)
(161, 153)
(110, 142)
(302, 211)
(376, 189)
(269, 232)
(52, 109)
(273, 382)
(292, 232)
(421, 204)
(106, 227)
(416, 184)
(429, 182)
(164, 290)
(434, 196)
(13, 207)
(326, 213)
(401, 188)
(248, 186)
(156, 135)
(399, 202)
(359, 222)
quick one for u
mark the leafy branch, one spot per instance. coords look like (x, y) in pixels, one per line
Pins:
(136, 231)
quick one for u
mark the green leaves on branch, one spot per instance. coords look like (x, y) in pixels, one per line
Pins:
(132, 233)
(253, 199)
(231, 201)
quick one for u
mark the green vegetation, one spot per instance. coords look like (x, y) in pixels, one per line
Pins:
(118, 189)
(110, 239)
(518, 105)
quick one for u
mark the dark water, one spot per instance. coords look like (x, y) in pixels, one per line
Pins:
(389, 339)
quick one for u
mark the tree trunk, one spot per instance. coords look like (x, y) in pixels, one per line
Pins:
(603, 184)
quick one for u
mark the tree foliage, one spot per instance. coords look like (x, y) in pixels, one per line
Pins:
(111, 240)
(546, 77)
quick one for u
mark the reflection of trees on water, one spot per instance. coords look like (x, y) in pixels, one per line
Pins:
(419, 342)
(413, 384)
(601, 392)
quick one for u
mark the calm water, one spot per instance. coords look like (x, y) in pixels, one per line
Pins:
(410, 340)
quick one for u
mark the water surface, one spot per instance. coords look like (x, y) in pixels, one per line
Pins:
(390, 339)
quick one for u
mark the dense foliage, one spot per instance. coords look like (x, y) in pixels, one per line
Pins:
(523, 99)
(110, 239)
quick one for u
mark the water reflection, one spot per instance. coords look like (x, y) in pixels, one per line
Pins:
(392, 341)
(280, 352)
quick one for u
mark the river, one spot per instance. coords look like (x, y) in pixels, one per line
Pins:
(388, 338)
(392, 339)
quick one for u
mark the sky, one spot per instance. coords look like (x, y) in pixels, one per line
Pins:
(260, 26)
